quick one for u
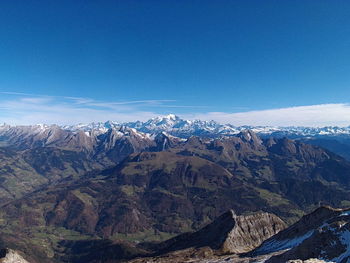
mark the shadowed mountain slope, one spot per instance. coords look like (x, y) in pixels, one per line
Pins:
(323, 234)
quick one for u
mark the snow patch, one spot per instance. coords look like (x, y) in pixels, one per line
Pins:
(345, 240)
(277, 245)
(345, 213)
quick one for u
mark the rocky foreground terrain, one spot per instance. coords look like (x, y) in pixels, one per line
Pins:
(321, 236)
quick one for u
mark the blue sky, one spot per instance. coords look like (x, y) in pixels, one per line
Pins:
(234, 61)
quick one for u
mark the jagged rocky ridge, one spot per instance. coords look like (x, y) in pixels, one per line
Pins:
(323, 234)
(87, 137)
(176, 126)
(32, 157)
(184, 128)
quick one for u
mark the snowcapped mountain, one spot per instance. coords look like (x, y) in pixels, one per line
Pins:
(171, 124)
(96, 126)
(176, 126)
(157, 133)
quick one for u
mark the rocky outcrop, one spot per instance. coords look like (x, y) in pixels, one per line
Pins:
(229, 233)
(323, 234)
(11, 256)
(250, 231)
(298, 232)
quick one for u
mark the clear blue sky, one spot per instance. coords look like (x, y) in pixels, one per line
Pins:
(202, 56)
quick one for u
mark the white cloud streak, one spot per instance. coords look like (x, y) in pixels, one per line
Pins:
(312, 116)
(20, 108)
(23, 108)
(51, 111)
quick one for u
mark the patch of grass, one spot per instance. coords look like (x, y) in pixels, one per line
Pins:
(294, 165)
(296, 215)
(84, 197)
(345, 203)
(265, 171)
(149, 235)
(131, 190)
(273, 199)
(164, 191)
(47, 237)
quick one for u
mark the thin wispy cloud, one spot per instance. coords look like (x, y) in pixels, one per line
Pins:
(22, 108)
(313, 116)
(18, 93)
(29, 111)
(36, 100)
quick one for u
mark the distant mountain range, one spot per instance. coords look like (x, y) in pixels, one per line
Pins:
(105, 192)
(176, 126)
(89, 136)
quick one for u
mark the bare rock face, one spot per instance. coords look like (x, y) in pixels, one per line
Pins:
(323, 234)
(250, 231)
(298, 232)
(229, 233)
(11, 256)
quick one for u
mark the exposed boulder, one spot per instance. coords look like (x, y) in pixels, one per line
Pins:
(11, 256)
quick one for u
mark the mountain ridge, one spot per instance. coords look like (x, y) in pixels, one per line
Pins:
(177, 126)
(87, 136)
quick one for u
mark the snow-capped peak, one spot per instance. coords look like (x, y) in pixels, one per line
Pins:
(172, 117)
(176, 126)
